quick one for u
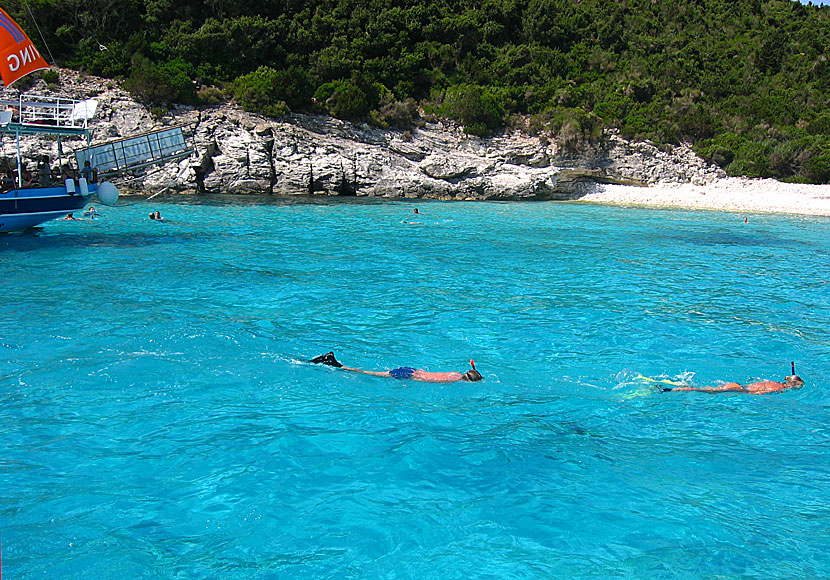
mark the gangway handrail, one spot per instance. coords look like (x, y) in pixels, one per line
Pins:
(136, 152)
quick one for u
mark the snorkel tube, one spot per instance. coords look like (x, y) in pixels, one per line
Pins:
(473, 364)
(792, 367)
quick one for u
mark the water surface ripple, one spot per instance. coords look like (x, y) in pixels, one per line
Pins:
(159, 421)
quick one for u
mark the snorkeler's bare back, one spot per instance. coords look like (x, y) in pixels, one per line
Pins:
(764, 387)
(759, 388)
(428, 377)
(417, 375)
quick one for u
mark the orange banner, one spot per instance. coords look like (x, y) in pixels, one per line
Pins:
(18, 56)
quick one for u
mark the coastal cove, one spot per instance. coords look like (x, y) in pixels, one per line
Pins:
(244, 153)
(359, 289)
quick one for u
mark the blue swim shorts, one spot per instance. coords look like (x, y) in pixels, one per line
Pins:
(402, 373)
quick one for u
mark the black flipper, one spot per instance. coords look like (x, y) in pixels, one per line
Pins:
(327, 359)
(666, 390)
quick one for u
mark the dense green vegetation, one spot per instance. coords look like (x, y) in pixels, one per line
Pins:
(746, 81)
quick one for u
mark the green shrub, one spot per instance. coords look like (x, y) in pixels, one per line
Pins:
(636, 125)
(820, 125)
(350, 99)
(817, 169)
(478, 108)
(210, 96)
(751, 159)
(160, 84)
(51, 77)
(258, 92)
(573, 128)
(720, 150)
(398, 114)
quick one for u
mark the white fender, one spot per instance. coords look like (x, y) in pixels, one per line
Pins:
(107, 193)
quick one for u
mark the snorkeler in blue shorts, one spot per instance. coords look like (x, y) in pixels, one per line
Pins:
(471, 375)
(402, 373)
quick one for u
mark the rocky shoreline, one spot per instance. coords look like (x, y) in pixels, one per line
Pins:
(303, 154)
(244, 153)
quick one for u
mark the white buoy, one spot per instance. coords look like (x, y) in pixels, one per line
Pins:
(107, 193)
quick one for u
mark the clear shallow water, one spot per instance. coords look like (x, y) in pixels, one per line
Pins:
(158, 420)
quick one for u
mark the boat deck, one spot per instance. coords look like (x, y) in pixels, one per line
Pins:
(38, 114)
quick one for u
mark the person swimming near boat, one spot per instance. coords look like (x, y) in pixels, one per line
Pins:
(91, 212)
(70, 217)
(414, 374)
(757, 388)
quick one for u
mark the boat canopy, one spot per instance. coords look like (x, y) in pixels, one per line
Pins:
(18, 55)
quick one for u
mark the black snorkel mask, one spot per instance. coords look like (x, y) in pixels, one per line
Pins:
(472, 375)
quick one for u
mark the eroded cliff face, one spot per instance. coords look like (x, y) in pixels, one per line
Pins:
(243, 153)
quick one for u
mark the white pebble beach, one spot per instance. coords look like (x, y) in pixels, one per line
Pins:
(734, 194)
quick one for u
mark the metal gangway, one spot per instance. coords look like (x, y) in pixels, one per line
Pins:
(134, 153)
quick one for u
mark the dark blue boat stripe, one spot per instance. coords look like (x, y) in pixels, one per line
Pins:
(41, 205)
(12, 28)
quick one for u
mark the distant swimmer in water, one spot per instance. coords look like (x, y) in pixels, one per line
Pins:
(91, 212)
(156, 216)
(70, 217)
(759, 388)
(416, 212)
(471, 375)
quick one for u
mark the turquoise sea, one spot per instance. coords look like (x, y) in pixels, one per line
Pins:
(158, 419)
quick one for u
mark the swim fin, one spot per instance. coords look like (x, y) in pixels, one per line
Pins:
(327, 359)
(664, 381)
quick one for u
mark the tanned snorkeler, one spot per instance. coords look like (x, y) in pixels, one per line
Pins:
(471, 375)
(757, 388)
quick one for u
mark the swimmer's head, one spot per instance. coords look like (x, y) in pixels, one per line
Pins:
(794, 382)
(472, 375)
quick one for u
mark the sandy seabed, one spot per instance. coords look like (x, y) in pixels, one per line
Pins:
(734, 194)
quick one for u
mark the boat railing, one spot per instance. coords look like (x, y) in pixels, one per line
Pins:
(58, 112)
